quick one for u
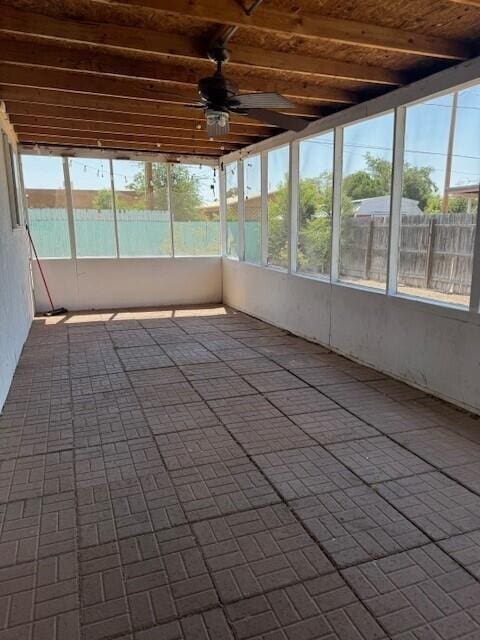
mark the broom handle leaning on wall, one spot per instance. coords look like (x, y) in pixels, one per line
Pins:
(39, 266)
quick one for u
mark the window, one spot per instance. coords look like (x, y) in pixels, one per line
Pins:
(43, 179)
(315, 193)
(253, 209)
(11, 169)
(441, 176)
(142, 208)
(92, 208)
(278, 207)
(195, 210)
(231, 208)
(365, 203)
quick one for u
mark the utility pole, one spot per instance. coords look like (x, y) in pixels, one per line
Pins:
(451, 140)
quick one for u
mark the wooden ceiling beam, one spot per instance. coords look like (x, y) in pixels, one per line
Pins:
(470, 3)
(117, 128)
(154, 42)
(33, 97)
(34, 112)
(312, 26)
(78, 82)
(125, 137)
(91, 143)
(56, 56)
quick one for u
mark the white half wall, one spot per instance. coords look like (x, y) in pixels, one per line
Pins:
(434, 348)
(16, 307)
(95, 283)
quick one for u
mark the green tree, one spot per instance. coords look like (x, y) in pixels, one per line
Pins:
(102, 200)
(149, 185)
(375, 181)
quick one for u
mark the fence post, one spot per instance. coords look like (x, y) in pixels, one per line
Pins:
(368, 251)
(429, 256)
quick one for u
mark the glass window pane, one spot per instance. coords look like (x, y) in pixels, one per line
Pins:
(231, 197)
(278, 207)
(315, 193)
(441, 175)
(92, 208)
(365, 207)
(253, 209)
(195, 210)
(47, 210)
(141, 202)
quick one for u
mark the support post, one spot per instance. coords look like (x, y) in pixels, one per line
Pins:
(223, 210)
(451, 141)
(294, 205)
(337, 203)
(475, 289)
(393, 257)
(264, 205)
(69, 205)
(241, 211)
(429, 254)
(114, 207)
(169, 206)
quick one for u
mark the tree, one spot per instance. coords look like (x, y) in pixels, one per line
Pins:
(375, 181)
(102, 200)
(149, 185)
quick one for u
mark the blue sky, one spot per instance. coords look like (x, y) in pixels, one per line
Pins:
(426, 140)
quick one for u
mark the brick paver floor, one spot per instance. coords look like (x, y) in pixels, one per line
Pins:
(198, 474)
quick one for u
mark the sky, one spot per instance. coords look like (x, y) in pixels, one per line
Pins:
(426, 140)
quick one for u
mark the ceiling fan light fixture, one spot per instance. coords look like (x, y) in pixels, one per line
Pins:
(217, 122)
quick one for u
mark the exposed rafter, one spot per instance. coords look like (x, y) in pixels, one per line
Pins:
(168, 44)
(312, 26)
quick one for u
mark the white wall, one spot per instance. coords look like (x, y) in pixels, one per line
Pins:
(90, 283)
(16, 308)
(434, 348)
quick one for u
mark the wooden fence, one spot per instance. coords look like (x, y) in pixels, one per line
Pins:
(435, 250)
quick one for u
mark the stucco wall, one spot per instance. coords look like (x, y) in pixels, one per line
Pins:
(90, 283)
(16, 309)
(431, 347)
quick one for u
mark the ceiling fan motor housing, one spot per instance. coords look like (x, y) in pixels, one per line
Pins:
(216, 91)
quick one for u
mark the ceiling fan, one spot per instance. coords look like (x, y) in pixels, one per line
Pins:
(219, 97)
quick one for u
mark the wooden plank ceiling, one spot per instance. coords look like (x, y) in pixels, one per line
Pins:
(116, 73)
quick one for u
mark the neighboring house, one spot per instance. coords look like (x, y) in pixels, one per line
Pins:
(380, 206)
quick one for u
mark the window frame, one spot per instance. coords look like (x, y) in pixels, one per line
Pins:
(13, 186)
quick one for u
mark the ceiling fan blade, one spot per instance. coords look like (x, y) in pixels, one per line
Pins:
(260, 101)
(216, 129)
(282, 120)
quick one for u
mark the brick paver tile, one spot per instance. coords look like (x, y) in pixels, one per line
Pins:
(378, 459)
(245, 409)
(305, 472)
(322, 376)
(134, 358)
(440, 447)
(97, 384)
(190, 448)
(420, 593)
(207, 371)
(48, 438)
(228, 387)
(256, 551)
(274, 381)
(271, 434)
(356, 525)
(321, 609)
(189, 353)
(38, 475)
(465, 548)
(220, 342)
(210, 625)
(253, 365)
(40, 599)
(221, 488)
(242, 353)
(37, 528)
(334, 425)
(165, 577)
(180, 417)
(467, 474)
(396, 390)
(165, 335)
(157, 323)
(116, 461)
(104, 607)
(300, 401)
(153, 377)
(438, 505)
(166, 394)
(295, 360)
